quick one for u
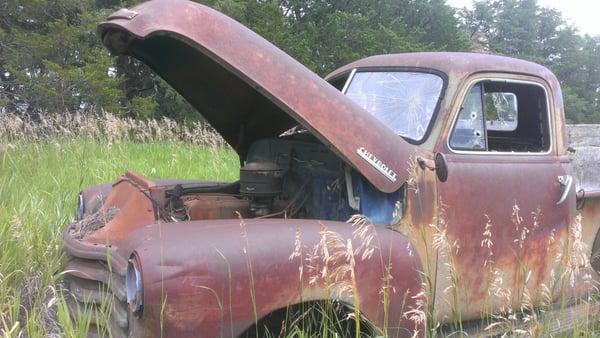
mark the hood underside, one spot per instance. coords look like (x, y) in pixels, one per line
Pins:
(248, 89)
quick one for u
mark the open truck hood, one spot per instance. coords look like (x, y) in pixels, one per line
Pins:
(248, 89)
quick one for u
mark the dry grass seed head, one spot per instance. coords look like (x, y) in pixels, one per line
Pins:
(487, 242)
(417, 314)
(297, 245)
(574, 254)
(497, 288)
(105, 126)
(413, 174)
(332, 262)
(364, 232)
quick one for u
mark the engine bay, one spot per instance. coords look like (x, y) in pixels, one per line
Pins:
(292, 176)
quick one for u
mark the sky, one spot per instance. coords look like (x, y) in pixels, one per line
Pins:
(585, 14)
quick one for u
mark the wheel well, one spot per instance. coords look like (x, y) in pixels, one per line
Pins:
(311, 317)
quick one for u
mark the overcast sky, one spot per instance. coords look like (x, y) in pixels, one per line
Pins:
(585, 14)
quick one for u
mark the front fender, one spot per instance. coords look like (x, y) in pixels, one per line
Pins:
(216, 278)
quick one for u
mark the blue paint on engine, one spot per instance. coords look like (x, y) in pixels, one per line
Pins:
(315, 176)
(376, 205)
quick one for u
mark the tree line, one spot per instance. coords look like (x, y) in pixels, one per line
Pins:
(52, 61)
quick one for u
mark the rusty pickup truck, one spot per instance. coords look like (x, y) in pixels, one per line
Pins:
(457, 163)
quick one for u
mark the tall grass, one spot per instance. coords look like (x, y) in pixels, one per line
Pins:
(39, 183)
(46, 160)
(104, 127)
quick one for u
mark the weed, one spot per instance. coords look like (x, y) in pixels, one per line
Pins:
(45, 162)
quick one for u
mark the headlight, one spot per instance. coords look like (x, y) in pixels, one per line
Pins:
(133, 286)
(80, 206)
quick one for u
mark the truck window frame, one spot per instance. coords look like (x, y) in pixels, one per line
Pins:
(499, 78)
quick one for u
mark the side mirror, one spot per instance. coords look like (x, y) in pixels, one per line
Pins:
(441, 167)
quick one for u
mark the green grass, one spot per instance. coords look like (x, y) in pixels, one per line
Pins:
(39, 184)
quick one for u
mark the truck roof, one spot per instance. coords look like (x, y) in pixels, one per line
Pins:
(453, 63)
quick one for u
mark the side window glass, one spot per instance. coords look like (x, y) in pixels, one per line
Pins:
(469, 132)
(501, 112)
(503, 116)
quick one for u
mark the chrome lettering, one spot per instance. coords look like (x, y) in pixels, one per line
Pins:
(377, 163)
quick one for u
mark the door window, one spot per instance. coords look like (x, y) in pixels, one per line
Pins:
(500, 116)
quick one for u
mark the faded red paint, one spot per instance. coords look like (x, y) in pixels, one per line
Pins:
(185, 278)
(526, 183)
(216, 207)
(131, 195)
(192, 307)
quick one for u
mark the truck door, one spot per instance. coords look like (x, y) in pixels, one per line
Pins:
(507, 201)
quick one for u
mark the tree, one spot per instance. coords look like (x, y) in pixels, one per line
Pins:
(336, 33)
(51, 60)
(523, 29)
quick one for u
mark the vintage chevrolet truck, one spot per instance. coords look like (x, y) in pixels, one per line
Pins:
(457, 162)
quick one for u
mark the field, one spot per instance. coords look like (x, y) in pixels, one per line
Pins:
(44, 165)
(39, 183)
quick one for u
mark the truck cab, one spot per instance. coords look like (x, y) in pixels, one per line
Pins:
(493, 156)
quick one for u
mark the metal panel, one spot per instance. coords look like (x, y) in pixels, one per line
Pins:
(248, 89)
(209, 289)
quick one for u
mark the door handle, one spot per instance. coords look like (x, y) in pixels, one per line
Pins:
(566, 182)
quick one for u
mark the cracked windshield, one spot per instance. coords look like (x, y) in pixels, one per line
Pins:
(403, 101)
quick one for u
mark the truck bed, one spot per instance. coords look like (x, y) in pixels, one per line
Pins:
(585, 139)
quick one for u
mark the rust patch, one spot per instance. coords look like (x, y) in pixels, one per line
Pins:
(216, 207)
(137, 208)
